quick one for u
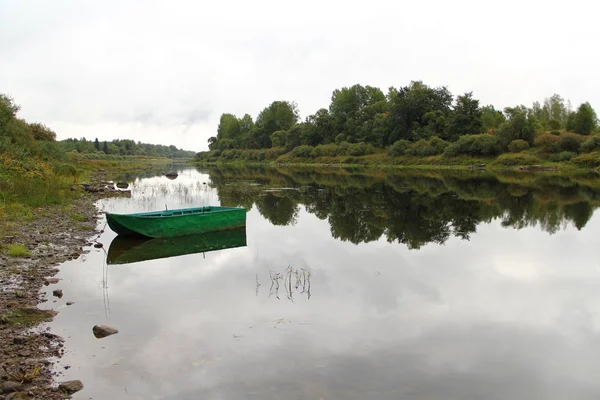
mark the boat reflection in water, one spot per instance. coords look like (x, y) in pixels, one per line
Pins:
(124, 250)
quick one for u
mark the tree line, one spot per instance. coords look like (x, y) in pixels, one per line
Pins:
(124, 147)
(23, 138)
(417, 113)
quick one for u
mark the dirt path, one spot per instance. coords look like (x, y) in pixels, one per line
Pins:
(56, 234)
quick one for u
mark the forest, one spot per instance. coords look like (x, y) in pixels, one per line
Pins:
(416, 120)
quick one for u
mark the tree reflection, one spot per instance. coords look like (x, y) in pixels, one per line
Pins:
(414, 208)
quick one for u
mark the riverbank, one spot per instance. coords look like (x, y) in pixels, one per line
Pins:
(35, 240)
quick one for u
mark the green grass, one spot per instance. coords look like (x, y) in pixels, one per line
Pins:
(17, 250)
(27, 316)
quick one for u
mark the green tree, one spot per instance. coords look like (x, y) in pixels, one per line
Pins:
(585, 121)
(349, 108)
(410, 104)
(491, 118)
(105, 147)
(278, 116)
(97, 144)
(42, 132)
(520, 124)
(465, 119)
(278, 138)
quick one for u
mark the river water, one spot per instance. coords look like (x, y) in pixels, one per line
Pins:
(346, 285)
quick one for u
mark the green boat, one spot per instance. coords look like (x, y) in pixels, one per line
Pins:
(187, 221)
(128, 249)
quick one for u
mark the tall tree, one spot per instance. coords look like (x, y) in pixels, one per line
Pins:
(410, 104)
(585, 121)
(465, 119)
(491, 118)
(520, 124)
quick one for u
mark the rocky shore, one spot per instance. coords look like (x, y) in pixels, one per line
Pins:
(55, 234)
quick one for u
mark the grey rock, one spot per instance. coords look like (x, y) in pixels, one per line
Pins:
(70, 387)
(70, 303)
(58, 293)
(98, 245)
(9, 387)
(51, 281)
(102, 331)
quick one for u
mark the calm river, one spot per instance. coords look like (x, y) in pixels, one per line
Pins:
(346, 285)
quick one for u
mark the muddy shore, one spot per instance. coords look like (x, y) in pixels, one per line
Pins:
(28, 350)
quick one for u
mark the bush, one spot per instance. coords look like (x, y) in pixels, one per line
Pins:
(303, 151)
(399, 148)
(593, 143)
(475, 145)
(517, 146)
(555, 133)
(329, 150)
(517, 159)
(588, 160)
(547, 143)
(425, 148)
(562, 156)
(570, 142)
(360, 149)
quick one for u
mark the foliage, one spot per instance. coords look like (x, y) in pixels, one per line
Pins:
(585, 121)
(520, 124)
(588, 159)
(570, 142)
(475, 145)
(516, 146)
(591, 144)
(491, 118)
(399, 148)
(517, 159)
(563, 156)
(17, 250)
(303, 151)
(424, 148)
(548, 143)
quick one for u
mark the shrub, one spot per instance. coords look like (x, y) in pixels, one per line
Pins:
(340, 138)
(399, 148)
(517, 159)
(360, 149)
(588, 159)
(475, 145)
(303, 151)
(517, 146)
(329, 150)
(562, 156)
(555, 133)
(343, 149)
(593, 143)
(547, 143)
(570, 142)
(425, 148)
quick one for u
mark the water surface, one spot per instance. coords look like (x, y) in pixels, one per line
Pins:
(350, 285)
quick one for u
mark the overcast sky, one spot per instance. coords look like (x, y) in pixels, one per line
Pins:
(164, 72)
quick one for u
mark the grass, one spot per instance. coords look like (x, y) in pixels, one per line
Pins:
(27, 316)
(17, 250)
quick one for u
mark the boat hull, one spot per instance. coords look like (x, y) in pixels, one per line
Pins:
(190, 221)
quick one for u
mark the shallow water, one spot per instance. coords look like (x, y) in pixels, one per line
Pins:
(350, 286)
